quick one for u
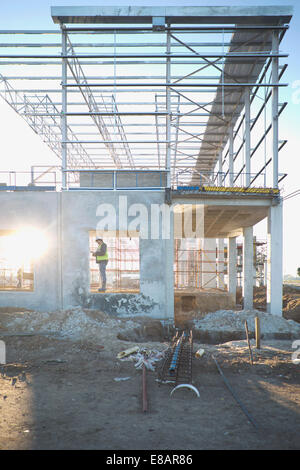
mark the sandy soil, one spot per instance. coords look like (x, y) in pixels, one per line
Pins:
(58, 393)
(290, 301)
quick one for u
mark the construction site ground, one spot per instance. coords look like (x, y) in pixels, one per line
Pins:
(60, 390)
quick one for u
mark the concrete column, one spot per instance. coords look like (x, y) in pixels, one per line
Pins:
(248, 268)
(209, 263)
(169, 271)
(274, 261)
(254, 262)
(231, 155)
(220, 265)
(247, 137)
(231, 266)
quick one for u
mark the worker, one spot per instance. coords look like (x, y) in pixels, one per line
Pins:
(101, 255)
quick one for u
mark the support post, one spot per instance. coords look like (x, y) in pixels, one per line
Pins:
(232, 261)
(64, 134)
(231, 165)
(220, 278)
(209, 263)
(247, 137)
(274, 261)
(220, 170)
(168, 108)
(248, 268)
(169, 270)
(275, 91)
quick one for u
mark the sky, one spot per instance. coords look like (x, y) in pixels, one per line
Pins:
(20, 147)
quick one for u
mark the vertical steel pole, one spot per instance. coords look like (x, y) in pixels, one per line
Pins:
(231, 170)
(64, 109)
(275, 63)
(220, 169)
(247, 136)
(168, 108)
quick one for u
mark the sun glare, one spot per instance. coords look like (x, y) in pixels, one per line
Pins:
(23, 246)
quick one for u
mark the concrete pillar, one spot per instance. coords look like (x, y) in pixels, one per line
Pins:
(232, 271)
(209, 263)
(220, 265)
(255, 273)
(274, 261)
(248, 268)
(169, 271)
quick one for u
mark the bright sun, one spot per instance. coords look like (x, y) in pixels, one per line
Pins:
(23, 246)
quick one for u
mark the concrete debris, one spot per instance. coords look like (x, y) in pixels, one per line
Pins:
(85, 325)
(230, 320)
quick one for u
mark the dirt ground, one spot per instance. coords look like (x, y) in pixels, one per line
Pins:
(62, 394)
(290, 301)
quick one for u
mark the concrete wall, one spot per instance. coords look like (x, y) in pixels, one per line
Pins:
(24, 209)
(62, 276)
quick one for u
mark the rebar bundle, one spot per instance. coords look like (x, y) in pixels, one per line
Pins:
(177, 365)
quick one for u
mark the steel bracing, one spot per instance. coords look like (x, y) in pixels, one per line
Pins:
(154, 89)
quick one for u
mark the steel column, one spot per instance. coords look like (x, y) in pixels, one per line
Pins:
(220, 169)
(231, 156)
(275, 63)
(64, 133)
(168, 116)
(247, 137)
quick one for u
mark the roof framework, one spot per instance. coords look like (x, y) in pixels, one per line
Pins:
(169, 91)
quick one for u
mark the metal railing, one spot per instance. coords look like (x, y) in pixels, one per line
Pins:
(189, 178)
(28, 180)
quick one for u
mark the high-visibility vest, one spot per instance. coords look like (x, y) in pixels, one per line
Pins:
(101, 257)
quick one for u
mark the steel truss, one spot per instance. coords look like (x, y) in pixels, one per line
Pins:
(178, 99)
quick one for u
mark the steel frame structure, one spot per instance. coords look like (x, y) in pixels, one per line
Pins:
(185, 97)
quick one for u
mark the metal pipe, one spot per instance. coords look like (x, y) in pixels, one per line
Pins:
(181, 85)
(108, 55)
(231, 155)
(64, 132)
(275, 64)
(168, 116)
(242, 406)
(178, 28)
(247, 136)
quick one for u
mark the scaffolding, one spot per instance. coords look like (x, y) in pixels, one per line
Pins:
(123, 268)
(191, 262)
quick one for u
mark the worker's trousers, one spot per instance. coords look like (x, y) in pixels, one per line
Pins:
(102, 270)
